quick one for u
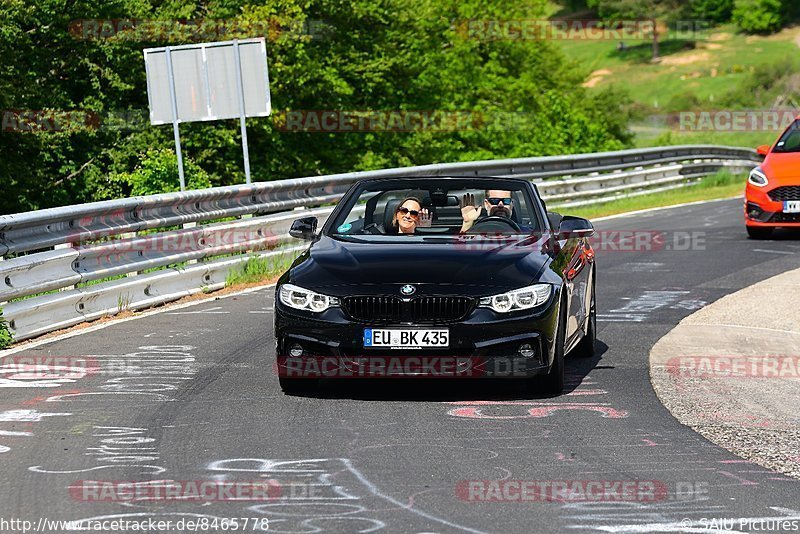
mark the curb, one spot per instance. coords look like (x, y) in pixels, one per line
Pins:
(731, 372)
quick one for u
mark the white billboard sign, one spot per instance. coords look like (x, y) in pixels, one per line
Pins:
(206, 81)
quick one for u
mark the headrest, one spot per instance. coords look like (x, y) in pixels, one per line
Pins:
(388, 214)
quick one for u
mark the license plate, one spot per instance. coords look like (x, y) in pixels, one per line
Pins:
(406, 338)
(791, 206)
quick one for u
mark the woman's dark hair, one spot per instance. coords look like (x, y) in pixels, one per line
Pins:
(400, 205)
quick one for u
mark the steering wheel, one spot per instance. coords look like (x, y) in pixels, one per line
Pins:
(493, 224)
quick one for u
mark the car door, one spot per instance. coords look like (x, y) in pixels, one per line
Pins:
(577, 276)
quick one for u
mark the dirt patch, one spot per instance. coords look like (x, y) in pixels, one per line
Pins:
(686, 59)
(596, 77)
(722, 36)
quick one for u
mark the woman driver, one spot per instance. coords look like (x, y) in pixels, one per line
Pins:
(408, 215)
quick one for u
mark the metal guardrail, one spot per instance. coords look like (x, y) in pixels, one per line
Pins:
(54, 250)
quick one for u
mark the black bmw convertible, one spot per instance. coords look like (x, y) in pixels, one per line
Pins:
(437, 277)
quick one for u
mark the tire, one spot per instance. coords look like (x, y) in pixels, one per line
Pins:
(759, 232)
(587, 346)
(294, 386)
(553, 381)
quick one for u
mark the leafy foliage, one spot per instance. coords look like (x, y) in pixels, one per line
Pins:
(323, 55)
(158, 173)
(759, 16)
(5, 334)
(711, 11)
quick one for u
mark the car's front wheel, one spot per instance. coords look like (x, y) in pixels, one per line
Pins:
(553, 382)
(293, 386)
(586, 347)
(759, 232)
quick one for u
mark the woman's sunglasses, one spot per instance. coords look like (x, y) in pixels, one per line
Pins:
(404, 211)
(494, 201)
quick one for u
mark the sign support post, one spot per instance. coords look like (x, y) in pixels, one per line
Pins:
(240, 92)
(208, 82)
(175, 127)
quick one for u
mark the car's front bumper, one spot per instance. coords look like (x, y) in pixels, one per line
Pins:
(761, 211)
(484, 344)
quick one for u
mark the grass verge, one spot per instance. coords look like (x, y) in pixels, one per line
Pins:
(260, 269)
(720, 185)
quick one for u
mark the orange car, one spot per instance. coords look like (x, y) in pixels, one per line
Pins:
(772, 197)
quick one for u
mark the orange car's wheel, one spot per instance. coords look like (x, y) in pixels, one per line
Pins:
(759, 232)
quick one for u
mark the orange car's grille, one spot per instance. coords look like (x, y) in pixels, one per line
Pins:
(786, 192)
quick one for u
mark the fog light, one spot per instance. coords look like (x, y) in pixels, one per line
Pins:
(526, 351)
(754, 211)
(295, 351)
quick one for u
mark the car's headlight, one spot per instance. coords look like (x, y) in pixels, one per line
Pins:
(519, 299)
(303, 299)
(758, 177)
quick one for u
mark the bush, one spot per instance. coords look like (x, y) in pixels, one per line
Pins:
(712, 11)
(764, 85)
(5, 334)
(158, 173)
(758, 16)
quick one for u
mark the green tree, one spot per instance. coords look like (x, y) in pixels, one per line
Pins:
(712, 11)
(323, 55)
(158, 173)
(759, 16)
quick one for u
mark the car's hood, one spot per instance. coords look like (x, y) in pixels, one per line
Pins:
(435, 266)
(782, 169)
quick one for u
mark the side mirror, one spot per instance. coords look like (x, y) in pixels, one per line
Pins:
(575, 227)
(763, 150)
(555, 219)
(305, 228)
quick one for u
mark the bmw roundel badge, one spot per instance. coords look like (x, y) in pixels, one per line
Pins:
(408, 289)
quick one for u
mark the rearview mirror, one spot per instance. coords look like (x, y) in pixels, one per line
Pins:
(575, 227)
(305, 228)
(763, 150)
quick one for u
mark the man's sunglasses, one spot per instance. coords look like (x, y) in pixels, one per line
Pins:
(494, 201)
(413, 213)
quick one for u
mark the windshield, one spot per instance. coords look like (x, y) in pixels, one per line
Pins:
(398, 209)
(790, 140)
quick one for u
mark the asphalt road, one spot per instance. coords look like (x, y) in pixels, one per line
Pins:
(191, 395)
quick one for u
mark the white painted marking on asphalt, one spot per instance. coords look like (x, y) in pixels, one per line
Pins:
(26, 416)
(638, 267)
(637, 310)
(11, 433)
(210, 311)
(375, 491)
(267, 310)
(774, 251)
